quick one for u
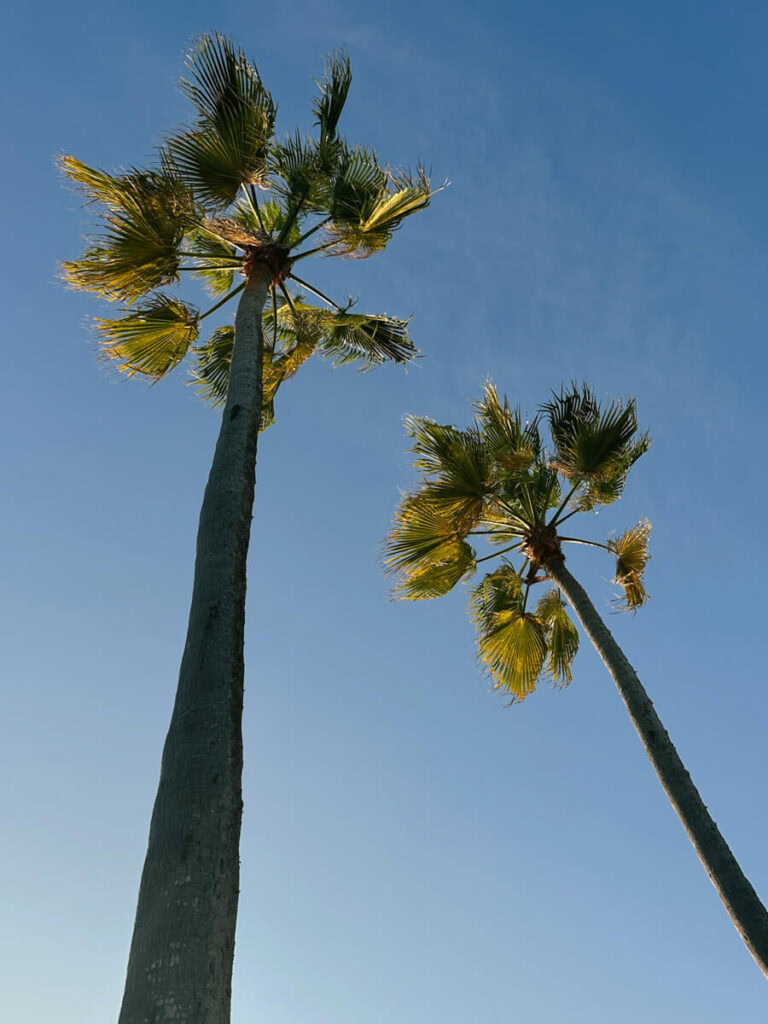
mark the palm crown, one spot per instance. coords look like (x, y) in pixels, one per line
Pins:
(497, 482)
(199, 212)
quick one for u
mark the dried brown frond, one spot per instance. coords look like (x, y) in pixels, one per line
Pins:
(232, 231)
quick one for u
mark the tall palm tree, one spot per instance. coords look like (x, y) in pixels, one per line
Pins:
(227, 199)
(498, 483)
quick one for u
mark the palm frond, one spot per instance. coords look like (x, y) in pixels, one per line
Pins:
(632, 556)
(593, 443)
(562, 636)
(145, 217)
(208, 249)
(529, 494)
(213, 359)
(334, 88)
(421, 536)
(152, 339)
(456, 466)
(513, 444)
(273, 217)
(229, 144)
(211, 364)
(366, 339)
(357, 185)
(238, 230)
(438, 577)
(369, 204)
(345, 337)
(511, 643)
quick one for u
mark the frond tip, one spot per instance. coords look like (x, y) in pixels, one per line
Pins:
(632, 556)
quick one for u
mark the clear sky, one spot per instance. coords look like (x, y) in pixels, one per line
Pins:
(412, 853)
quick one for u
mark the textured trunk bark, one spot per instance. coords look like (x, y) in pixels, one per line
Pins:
(740, 899)
(180, 964)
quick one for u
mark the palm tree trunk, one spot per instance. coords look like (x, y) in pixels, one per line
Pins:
(180, 964)
(740, 899)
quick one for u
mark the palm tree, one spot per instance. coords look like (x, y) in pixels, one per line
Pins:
(497, 483)
(227, 198)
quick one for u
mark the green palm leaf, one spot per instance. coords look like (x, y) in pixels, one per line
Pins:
(303, 170)
(632, 556)
(364, 217)
(421, 537)
(229, 145)
(334, 88)
(366, 339)
(273, 217)
(357, 185)
(439, 578)
(211, 365)
(457, 467)
(346, 337)
(512, 444)
(153, 338)
(213, 359)
(511, 643)
(146, 214)
(591, 443)
(562, 636)
(215, 258)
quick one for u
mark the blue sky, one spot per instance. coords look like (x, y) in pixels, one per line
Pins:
(412, 851)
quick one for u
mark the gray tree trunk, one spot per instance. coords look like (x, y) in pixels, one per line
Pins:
(740, 899)
(180, 963)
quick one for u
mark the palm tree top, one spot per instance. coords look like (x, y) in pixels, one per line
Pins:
(228, 196)
(499, 483)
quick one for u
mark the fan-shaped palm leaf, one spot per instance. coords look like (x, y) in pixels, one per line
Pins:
(364, 338)
(153, 338)
(146, 216)
(562, 636)
(357, 185)
(631, 559)
(593, 443)
(302, 170)
(512, 444)
(365, 213)
(334, 88)
(511, 643)
(439, 577)
(421, 536)
(457, 466)
(229, 145)
(211, 365)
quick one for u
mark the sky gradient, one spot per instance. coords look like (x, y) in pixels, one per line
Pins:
(412, 852)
